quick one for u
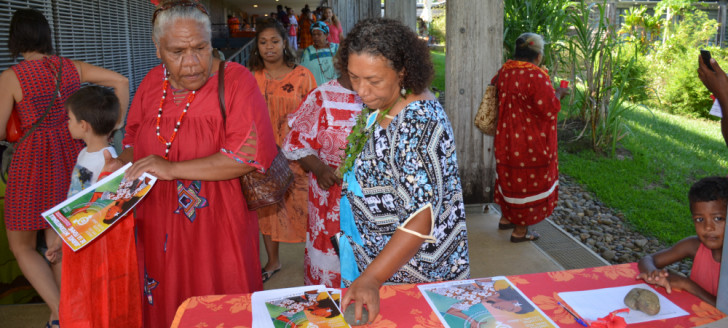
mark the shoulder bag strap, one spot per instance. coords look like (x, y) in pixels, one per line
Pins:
(221, 89)
(53, 101)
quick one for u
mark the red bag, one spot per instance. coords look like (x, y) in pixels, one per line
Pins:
(12, 129)
(292, 30)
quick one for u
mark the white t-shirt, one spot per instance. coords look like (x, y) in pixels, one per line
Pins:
(87, 169)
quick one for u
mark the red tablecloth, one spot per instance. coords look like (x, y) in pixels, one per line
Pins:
(404, 305)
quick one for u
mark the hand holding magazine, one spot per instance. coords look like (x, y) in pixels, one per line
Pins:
(86, 215)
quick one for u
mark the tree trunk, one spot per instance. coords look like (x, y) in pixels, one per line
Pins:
(474, 52)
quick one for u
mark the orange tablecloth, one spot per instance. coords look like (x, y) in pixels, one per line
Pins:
(404, 305)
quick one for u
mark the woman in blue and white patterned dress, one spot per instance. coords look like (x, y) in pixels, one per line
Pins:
(402, 211)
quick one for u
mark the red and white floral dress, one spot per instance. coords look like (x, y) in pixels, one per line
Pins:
(319, 127)
(527, 174)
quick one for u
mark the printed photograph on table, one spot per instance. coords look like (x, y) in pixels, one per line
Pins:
(483, 303)
(309, 309)
(86, 215)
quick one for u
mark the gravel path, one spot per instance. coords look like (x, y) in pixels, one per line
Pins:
(602, 229)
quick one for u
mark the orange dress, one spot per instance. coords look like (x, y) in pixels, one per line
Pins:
(286, 222)
(304, 33)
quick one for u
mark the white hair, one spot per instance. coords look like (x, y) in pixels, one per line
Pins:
(168, 16)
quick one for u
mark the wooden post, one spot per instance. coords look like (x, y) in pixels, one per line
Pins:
(404, 11)
(474, 55)
(351, 11)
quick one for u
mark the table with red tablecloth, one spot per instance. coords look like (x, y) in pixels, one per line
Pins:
(404, 305)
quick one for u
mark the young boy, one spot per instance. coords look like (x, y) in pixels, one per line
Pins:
(708, 200)
(100, 282)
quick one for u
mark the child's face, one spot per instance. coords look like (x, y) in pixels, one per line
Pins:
(709, 220)
(74, 126)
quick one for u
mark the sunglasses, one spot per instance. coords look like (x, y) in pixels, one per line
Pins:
(182, 3)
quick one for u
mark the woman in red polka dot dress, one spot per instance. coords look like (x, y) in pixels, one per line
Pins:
(527, 174)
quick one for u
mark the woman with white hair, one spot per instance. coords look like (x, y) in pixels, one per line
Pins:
(195, 235)
(527, 173)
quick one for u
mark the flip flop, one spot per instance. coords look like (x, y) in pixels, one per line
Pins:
(529, 236)
(506, 226)
(268, 274)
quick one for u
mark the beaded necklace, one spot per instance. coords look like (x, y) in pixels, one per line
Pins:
(318, 59)
(190, 97)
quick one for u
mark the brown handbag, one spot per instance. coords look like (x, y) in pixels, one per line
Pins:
(259, 189)
(487, 117)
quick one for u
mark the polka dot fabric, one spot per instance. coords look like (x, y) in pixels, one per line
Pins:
(526, 155)
(40, 172)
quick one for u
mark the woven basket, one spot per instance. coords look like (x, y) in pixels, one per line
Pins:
(487, 117)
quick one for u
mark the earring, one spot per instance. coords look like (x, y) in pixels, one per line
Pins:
(403, 91)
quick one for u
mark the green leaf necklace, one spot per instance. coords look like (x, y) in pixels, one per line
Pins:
(361, 132)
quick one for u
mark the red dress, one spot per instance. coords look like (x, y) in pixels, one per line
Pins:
(41, 168)
(100, 282)
(197, 237)
(527, 173)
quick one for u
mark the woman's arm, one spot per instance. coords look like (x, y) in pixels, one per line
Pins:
(215, 167)
(717, 83)
(398, 251)
(12, 93)
(107, 78)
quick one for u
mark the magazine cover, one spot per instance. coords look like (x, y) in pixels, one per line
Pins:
(86, 215)
(483, 303)
(312, 308)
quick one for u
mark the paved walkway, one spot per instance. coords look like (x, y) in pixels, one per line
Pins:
(491, 254)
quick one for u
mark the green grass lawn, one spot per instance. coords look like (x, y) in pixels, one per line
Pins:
(669, 153)
(438, 60)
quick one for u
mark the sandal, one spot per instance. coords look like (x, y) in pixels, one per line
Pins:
(52, 323)
(268, 274)
(506, 226)
(529, 236)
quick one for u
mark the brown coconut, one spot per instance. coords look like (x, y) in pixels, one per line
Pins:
(644, 300)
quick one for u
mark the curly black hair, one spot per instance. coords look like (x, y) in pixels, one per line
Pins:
(397, 43)
(709, 189)
(255, 63)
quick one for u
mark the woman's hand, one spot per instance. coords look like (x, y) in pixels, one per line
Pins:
(363, 291)
(326, 176)
(152, 164)
(716, 82)
(561, 92)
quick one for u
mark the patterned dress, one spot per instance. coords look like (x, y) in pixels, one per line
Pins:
(321, 62)
(527, 173)
(198, 237)
(40, 172)
(286, 223)
(304, 34)
(408, 167)
(319, 128)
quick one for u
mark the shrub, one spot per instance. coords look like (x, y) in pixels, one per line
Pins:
(437, 29)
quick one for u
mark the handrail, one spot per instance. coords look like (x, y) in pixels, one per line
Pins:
(243, 54)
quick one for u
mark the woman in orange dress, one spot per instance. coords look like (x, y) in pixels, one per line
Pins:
(284, 86)
(304, 34)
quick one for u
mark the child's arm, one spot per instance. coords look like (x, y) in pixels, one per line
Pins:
(651, 266)
(686, 284)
